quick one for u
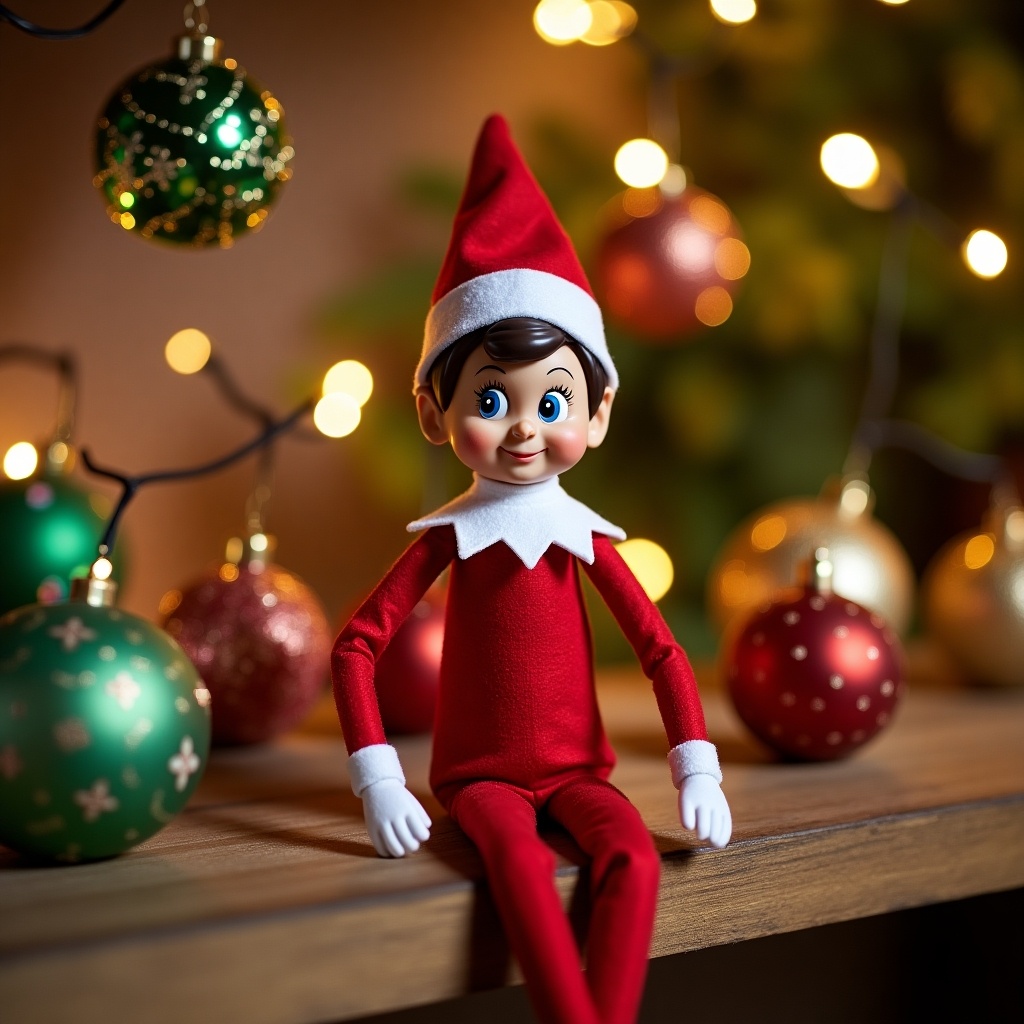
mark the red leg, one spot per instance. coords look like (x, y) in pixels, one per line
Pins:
(502, 823)
(624, 891)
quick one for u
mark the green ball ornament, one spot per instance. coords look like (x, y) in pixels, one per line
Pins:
(52, 525)
(104, 729)
(191, 151)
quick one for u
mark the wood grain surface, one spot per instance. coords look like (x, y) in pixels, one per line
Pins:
(265, 903)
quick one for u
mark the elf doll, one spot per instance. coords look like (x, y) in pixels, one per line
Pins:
(516, 376)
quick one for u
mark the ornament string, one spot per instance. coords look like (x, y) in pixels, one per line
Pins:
(131, 484)
(260, 493)
(873, 429)
(6, 14)
(67, 373)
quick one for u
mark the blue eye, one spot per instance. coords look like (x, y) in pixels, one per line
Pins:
(493, 404)
(554, 406)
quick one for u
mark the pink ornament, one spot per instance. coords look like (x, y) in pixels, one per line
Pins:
(814, 675)
(409, 671)
(669, 265)
(259, 638)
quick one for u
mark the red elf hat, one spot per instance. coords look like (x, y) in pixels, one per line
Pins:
(508, 257)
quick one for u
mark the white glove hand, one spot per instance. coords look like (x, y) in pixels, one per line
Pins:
(703, 807)
(395, 819)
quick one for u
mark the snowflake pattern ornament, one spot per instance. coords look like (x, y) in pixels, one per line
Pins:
(812, 674)
(104, 730)
(191, 151)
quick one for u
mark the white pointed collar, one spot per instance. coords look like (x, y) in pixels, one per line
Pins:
(529, 518)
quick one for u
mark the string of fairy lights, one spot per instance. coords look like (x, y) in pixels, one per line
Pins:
(661, 201)
(848, 160)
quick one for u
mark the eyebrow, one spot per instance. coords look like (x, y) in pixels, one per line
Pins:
(554, 368)
(488, 366)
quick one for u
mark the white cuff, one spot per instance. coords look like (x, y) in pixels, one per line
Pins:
(694, 757)
(373, 763)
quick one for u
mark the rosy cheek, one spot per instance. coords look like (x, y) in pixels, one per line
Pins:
(474, 438)
(568, 446)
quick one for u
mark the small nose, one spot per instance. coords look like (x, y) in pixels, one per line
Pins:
(523, 429)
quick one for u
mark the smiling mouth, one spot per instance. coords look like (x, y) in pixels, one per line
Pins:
(523, 456)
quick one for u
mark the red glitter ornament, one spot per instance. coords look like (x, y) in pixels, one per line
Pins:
(814, 675)
(259, 638)
(669, 265)
(409, 671)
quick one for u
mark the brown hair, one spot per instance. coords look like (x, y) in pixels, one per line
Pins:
(520, 339)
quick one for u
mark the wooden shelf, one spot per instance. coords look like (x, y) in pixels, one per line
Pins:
(265, 902)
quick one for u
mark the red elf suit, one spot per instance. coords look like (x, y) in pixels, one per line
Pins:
(517, 730)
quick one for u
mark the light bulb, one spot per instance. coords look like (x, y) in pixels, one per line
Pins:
(188, 351)
(352, 378)
(561, 22)
(650, 564)
(21, 460)
(641, 163)
(336, 414)
(610, 21)
(849, 161)
(985, 253)
(733, 12)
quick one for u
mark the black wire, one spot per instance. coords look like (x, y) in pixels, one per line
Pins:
(131, 484)
(6, 14)
(974, 466)
(233, 393)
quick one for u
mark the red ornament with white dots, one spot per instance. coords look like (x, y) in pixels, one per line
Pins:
(814, 675)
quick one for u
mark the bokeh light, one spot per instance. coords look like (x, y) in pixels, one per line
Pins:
(979, 550)
(350, 377)
(101, 569)
(610, 21)
(733, 12)
(650, 564)
(21, 460)
(641, 163)
(848, 160)
(336, 414)
(561, 22)
(188, 351)
(985, 254)
(713, 306)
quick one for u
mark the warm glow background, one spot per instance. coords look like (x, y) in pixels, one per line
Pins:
(367, 89)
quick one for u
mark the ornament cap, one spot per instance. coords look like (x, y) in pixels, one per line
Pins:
(817, 570)
(200, 47)
(96, 589)
(254, 552)
(60, 457)
(96, 592)
(852, 493)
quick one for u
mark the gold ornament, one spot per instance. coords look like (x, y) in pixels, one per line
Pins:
(765, 552)
(974, 599)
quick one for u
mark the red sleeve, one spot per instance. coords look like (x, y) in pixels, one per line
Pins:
(369, 631)
(662, 659)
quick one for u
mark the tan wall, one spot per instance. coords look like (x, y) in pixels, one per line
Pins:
(368, 89)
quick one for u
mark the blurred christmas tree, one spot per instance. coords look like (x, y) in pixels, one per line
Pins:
(762, 407)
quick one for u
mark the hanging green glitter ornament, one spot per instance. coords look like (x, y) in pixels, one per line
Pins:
(54, 525)
(104, 726)
(192, 150)
(51, 521)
